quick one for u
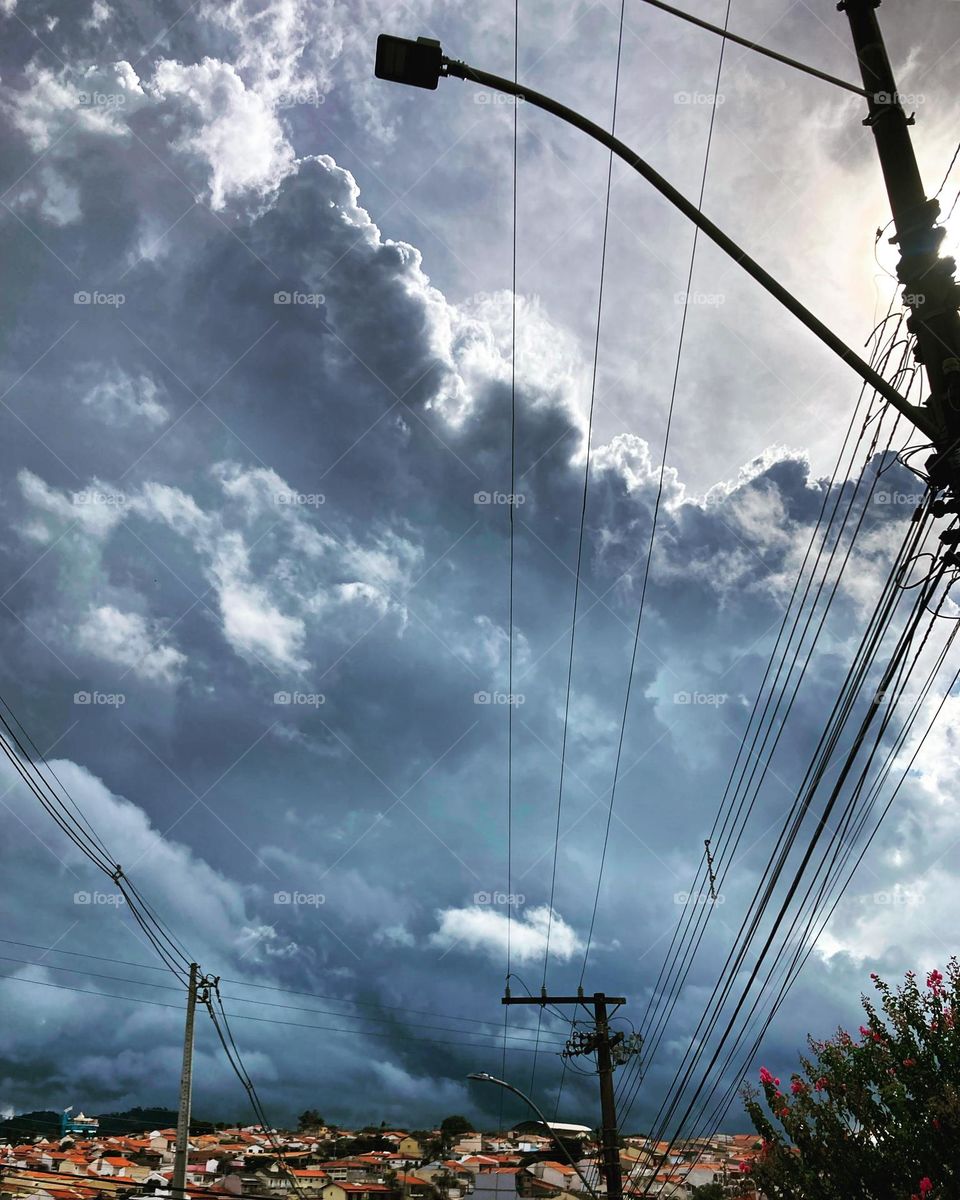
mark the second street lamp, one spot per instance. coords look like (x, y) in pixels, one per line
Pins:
(484, 1077)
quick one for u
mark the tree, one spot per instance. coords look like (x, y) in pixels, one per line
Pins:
(452, 1127)
(309, 1119)
(875, 1116)
(710, 1191)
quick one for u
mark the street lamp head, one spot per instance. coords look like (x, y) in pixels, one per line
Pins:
(482, 1076)
(402, 60)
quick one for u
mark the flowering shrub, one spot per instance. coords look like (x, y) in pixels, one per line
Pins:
(875, 1117)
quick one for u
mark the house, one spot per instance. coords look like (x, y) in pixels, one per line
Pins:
(410, 1148)
(354, 1170)
(310, 1181)
(412, 1186)
(469, 1143)
(556, 1174)
(358, 1191)
(449, 1177)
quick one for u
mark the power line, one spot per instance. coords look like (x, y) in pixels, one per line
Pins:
(680, 959)
(426, 1012)
(62, 987)
(521, 1036)
(580, 536)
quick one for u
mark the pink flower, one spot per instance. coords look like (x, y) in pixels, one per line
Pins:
(909, 1062)
(821, 1083)
(935, 982)
(926, 1187)
(765, 1076)
(798, 1087)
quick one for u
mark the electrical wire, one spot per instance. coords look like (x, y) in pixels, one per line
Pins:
(890, 673)
(583, 522)
(679, 958)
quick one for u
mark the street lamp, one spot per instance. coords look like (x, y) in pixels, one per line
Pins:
(423, 64)
(484, 1077)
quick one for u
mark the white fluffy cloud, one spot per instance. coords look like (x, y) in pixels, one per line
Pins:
(126, 638)
(119, 398)
(230, 128)
(484, 928)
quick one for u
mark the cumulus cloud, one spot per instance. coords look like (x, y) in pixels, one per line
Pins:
(231, 129)
(121, 399)
(127, 640)
(484, 929)
(308, 529)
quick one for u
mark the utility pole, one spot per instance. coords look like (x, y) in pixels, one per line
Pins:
(608, 1102)
(929, 288)
(186, 1088)
(603, 1043)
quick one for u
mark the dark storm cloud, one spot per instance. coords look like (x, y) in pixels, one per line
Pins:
(215, 501)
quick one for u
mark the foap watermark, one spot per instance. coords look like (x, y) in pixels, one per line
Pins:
(300, 699)
(300, 499)
(307, 96)
(299, 299)
(111, 899)
(708, 98)
(496, 98)
(93, 498)
(899, 897)
(700, 898)
(100, 299)
(515, 499)
(101, 99)
(514, 698)
(707, 699)
(707, 299)
(910, 499)
(906, 99)
(509, 899)
(304, 899)
(100, 699)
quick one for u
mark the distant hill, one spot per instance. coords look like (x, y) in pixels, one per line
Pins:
(26, 1126)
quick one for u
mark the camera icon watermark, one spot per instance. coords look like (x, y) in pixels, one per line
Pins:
(100, 299)
(101, 99)
(299, 299)
(307, 96)
(101, 699)
(708, 699)
(512, 698)
(300, 699)
(300, 499)
(906, 99)
(305, 899)
(899, 897)
(695, 98)
(93, 497)
(706, 299)
(687, 898)
(110, 899)
(910, 499)
(512, 499)
(496, 98)
(509, 899)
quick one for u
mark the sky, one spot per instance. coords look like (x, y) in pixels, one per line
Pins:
(256, 395)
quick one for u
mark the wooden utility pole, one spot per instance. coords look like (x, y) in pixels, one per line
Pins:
(186, 1089)
(602, 1042)
(929, 288)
